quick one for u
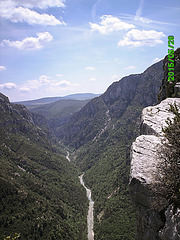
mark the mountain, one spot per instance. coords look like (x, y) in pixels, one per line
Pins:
(81, 96)
(157, 210)
(47, 100)
(137, 90)
(166, 89)
(60, 109)
(154, 175)
(40, 193)
(101, 134)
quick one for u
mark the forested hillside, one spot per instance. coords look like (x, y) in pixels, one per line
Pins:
(40, 193)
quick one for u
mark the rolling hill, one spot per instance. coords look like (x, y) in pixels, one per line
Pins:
(47, 100)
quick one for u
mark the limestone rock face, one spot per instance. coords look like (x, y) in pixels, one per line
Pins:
(155, 220)
(139, 90)
(154, 118)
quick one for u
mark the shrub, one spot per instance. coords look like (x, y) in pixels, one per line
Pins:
(170, 164)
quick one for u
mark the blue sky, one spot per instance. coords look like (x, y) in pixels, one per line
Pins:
(60, 47)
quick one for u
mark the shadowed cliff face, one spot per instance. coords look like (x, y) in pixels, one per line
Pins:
(166, 89)
(155, 219)
(16, 118)
(141, 89)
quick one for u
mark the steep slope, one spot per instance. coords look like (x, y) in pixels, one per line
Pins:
(40, 194)
(141, 89)
(156, 217)
(167, 90)
(154, 177)
(102, 133)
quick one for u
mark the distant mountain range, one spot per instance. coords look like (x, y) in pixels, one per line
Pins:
(47, 100)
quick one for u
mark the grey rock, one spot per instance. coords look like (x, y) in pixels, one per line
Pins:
(171, 229)
(154, 117)
(155, 219)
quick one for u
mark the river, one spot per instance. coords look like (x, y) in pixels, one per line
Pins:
(90, 216)
(67, 156)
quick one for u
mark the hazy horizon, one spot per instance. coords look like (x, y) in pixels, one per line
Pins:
(64, 47)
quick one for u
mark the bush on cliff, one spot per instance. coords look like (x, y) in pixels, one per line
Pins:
(170, 167)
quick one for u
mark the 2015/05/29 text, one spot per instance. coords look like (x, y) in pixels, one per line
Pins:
(171, 58)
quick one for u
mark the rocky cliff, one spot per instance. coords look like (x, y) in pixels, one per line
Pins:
(139, 90)
(166, 89)
(155, 218)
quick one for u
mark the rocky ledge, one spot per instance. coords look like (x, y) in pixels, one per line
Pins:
(155, 219)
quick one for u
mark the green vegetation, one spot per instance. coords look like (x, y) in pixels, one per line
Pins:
(58, 109)
(107, 174)
(40, 193)
(17, 236)
(170, 166)
(102, 134)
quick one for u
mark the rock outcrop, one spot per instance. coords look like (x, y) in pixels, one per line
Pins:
(139, 90)
(155, 219)
(17, 118)
(166, 89)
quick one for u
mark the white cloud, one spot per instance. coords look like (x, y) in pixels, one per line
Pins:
(30, 43)
(156, 60)
(18, 11)
(130, 67)
(90, 68)
(115, 77)
(110, 24)
(143, 20)
(63, 84)
(31, 17)
(139, 10)
(45, 83)
(92, 79)
(138, 18)
(40, 3)
(30, 85)
(2, 68)
(59, 75)
(8, 86)
(138, 38)
(44, 79)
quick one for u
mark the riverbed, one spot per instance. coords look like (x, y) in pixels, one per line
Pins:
(90, 216)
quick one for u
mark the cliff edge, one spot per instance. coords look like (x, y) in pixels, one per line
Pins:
(155, 218)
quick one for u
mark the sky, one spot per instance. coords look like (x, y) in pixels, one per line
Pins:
(54, 48)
